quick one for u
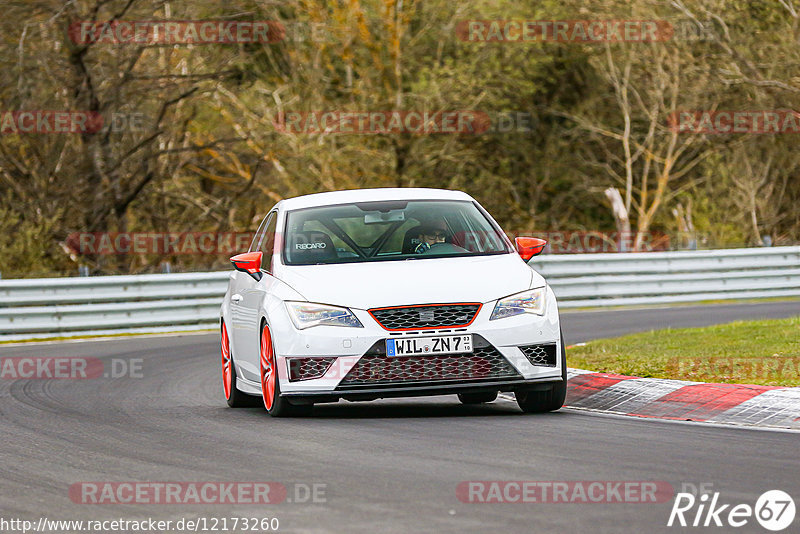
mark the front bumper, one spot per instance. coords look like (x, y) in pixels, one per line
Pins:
(423, 390)
(498, 361)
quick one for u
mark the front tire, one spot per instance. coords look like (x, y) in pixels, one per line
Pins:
(275, 405)
(234, 397)
(546, 401)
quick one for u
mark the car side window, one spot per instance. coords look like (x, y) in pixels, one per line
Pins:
(259, 234)
(267, 246)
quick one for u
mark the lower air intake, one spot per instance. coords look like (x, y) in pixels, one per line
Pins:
(541, 355)
(379, 369)
(308, 368)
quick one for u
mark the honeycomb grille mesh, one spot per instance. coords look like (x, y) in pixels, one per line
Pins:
(541, 355)
(379, 369)
(439, 316)
(308, 368)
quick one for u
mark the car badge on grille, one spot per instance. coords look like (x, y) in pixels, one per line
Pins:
(426, 315)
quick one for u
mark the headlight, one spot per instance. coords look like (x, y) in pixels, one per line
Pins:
(531, 301)
(307, 314)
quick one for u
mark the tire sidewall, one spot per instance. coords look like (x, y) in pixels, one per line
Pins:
(265, 329)
(237, 398)
(549, 400)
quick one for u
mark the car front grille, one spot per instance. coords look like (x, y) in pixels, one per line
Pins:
(378, 369)
(426, 316)
(541, 355)
(308, 368)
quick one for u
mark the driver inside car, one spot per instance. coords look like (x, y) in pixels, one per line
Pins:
(431, 234)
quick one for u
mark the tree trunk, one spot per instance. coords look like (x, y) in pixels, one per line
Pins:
(620, 217)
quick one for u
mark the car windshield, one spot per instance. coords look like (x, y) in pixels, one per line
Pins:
(389, 230)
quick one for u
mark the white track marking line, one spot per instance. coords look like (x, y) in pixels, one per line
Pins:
(630, 395)
(776, 406)
(111, 338)
(740, 426)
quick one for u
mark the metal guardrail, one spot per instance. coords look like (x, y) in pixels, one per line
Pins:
(65, 307)
(589, 280)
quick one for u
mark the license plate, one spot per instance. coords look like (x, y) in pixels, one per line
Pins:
(421, 346)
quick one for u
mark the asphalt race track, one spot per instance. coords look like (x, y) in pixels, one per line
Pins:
(387, 466)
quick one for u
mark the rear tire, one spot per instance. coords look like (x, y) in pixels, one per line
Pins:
(275, 405)
(234, 397)
(548, 400)
(477, 398)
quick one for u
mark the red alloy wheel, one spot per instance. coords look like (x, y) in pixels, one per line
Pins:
(268, 368)
(227, 375)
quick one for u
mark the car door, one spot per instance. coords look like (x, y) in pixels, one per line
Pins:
(246, 302)
(238, 282)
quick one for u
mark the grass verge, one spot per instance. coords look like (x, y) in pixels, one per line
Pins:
(765, 352)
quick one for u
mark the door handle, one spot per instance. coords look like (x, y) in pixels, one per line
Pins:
(236, 299)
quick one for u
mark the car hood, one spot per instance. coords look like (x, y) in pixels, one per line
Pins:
(423, 281)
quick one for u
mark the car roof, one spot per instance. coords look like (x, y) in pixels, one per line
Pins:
(368, 195)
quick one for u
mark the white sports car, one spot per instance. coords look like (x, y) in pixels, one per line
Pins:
(375, 293)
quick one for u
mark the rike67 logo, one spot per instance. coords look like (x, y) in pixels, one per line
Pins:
(774, 510)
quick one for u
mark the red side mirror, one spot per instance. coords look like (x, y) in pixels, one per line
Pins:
(250, 263)
(528, 247)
